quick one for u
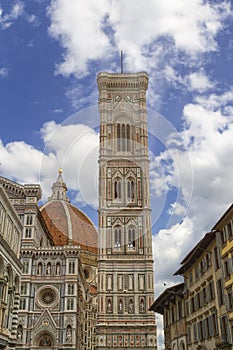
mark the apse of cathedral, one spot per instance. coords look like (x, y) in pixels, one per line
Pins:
(81, 289)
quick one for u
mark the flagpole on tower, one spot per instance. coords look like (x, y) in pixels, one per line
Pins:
(121, 61)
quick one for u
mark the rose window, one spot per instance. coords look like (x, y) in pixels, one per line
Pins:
(47, 296)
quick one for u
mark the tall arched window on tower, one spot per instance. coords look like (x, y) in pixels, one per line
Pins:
(117, 237)
(128, 137)
(117, 189)
(118, 137)
(131, 237)
(130, 190)
(123, 137)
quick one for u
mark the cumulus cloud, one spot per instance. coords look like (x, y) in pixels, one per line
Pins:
(206, 139)
(198, 81)
(95, 31)
(217, 101)
(72, 147)
(79, 27)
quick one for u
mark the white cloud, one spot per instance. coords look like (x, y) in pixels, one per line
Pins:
(207, 142)
(195, 81)
(79, 27)
(21, 160)
(217, 101)
(3, 72)
(72, 147)
(97, 30)
(199, 82)
(6, 20)
(75, 147)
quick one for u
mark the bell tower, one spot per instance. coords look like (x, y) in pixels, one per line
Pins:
(125, 262)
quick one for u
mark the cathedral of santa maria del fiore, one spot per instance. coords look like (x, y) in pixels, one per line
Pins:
(63, 284)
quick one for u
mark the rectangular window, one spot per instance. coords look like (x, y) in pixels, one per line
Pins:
(224, 328)
(208, 260)
(190, 278)
(229, 229)
(226, 268)
(180, 309)
(207, 327)
(70, 304)
(70, 289)
(216, 258)
(2, 218)
(220, 292)
(23, 288)
(229, 299)
(211, 290)
(199, 328)
(223, 237)
(194, 332)
(172, 315)
(22, 304)
(198, 301)
(189, 335)
(215, 324)
(196, 272)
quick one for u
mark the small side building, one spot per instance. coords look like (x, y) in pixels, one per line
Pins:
(224, 235)
(199, 270)
(10, 271)
(197, 314)
(171, 305)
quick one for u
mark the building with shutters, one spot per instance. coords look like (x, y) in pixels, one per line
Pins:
(171, 304)
(201, 290)
(224, 234)
(197, 314)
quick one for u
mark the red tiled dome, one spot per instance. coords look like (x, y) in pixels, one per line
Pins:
(69, 225)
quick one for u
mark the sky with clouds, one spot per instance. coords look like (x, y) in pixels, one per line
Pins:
(50, 54)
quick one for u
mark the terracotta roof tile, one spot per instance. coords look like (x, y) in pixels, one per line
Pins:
(67, 224)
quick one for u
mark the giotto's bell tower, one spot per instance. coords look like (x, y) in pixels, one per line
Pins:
(125, 262)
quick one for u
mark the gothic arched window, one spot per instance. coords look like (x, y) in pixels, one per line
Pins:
(117, 237)
(118, 137)
(117, 189)
(123, 137)
(130, 190)
(131, 237)
(128, 137)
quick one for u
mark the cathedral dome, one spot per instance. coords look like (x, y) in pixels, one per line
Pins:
(66, 223)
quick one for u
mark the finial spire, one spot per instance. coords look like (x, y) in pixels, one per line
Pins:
(59, 188)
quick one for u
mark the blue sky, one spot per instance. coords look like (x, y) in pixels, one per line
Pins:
(50, 54)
